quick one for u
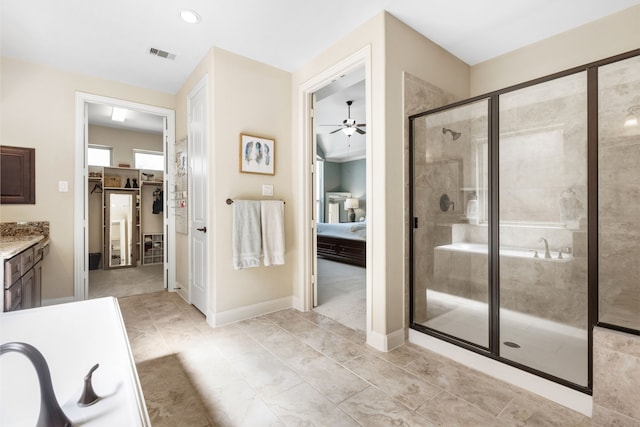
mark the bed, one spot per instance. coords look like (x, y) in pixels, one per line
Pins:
(344, 242)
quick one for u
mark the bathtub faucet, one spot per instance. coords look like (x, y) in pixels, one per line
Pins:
(51, 414)
(547, 254)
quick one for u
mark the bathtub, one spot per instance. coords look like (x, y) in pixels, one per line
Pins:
(479, 248)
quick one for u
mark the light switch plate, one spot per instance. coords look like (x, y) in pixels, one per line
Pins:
(267, 190)
(63, 186)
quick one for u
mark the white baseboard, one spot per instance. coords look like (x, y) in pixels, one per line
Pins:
(182, 291)
(248, 311)
(555, 392)
(385, 342)
(296, 302)
(56, 301)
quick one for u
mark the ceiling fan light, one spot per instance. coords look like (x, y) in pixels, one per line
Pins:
(349, 131)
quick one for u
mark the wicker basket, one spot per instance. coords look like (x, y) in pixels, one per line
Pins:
(112, 181)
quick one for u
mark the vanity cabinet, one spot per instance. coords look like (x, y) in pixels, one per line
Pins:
(23, 278)
(17, 175)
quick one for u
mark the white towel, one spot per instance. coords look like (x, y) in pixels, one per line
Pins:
(272, 218)
(247, 239)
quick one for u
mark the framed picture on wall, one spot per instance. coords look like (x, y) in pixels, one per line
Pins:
(257, 154)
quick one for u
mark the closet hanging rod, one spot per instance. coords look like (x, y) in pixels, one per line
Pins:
(230, 201)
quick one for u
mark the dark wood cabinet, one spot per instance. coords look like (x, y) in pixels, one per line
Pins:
(17, 175)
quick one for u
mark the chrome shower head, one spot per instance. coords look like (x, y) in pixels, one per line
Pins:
(453, 133)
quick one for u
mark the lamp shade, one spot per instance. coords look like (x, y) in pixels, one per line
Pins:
(351, 204)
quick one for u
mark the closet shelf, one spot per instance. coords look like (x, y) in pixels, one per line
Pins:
(143, 198)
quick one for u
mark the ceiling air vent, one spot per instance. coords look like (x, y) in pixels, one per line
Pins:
(161, 53)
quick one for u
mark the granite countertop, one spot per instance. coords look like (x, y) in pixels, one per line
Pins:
(13, 245)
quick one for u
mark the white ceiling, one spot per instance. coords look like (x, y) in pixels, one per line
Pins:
(331, 110)
(111, 39)
(100, 115)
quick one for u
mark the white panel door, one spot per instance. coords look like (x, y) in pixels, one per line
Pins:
(315, 189)
(198, 196)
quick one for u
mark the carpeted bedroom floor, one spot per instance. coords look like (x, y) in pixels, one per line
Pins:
(342, 293)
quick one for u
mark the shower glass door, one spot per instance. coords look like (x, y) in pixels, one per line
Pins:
(450, 269)
(543, 227)
(619, 201)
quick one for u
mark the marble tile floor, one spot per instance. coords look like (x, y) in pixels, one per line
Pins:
(122, 282)
(290, 368)
(342, 293)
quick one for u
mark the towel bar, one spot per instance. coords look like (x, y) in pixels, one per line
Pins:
(230, 201)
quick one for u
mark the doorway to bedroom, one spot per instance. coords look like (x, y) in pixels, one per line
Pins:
(341, 199)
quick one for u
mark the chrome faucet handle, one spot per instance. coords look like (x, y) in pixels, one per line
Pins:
(560, 254)
(547, 254)
(89, 397)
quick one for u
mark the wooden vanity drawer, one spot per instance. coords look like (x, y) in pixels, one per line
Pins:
(13, 296)
(12, 270)
(18, 266)
(26, 260)
(37, 252)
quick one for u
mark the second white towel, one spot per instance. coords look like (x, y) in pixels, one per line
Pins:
(272, 220)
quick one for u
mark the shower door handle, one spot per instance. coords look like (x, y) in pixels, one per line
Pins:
(203, 229)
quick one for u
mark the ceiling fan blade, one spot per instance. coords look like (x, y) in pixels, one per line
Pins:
(360, 131)
(337, 130)
(361, 124)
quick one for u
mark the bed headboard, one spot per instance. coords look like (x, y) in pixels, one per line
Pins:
(334, 206)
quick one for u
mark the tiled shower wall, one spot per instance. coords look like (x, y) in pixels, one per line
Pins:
(616, 355)
(420, 96)
(619, 195)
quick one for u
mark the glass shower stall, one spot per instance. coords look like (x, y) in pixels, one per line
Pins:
(507, 234)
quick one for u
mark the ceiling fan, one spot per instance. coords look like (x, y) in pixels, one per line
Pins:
(349, 125)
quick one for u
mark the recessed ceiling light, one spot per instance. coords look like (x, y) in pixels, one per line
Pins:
(189, 16)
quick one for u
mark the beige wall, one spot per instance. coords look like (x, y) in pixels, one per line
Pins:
(38, 111)
(371, 35)
(394, 48)
(124, 141)
(253, 98)
(245, 96)
(408, 51)
(617, 33)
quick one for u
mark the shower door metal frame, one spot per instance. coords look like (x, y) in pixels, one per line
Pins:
(493, 350)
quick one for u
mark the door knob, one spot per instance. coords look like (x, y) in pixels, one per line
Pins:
(203, 229)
